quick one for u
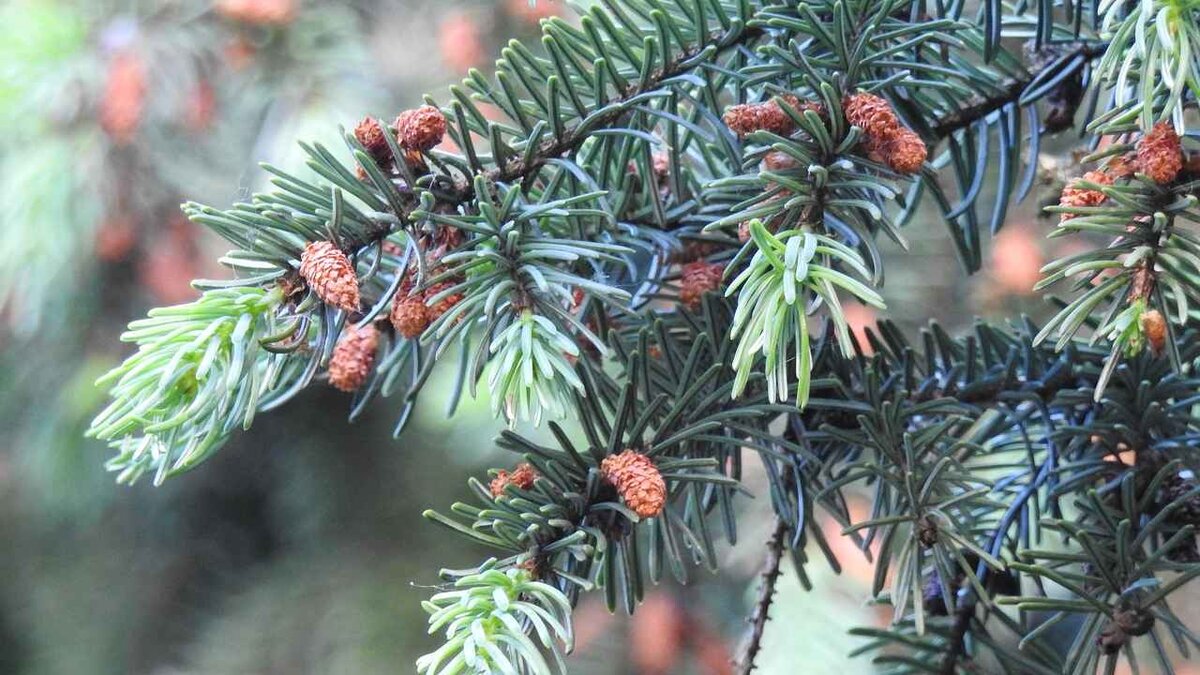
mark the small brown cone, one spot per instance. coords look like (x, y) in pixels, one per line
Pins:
(885, 139)
(1075, 195)
(767, 116)
(871, 113)
(1154, 329)
(409, 315)
(698, 278)
(369, 133)
(330, 275)
(1159, 153)
(522, 477)
(773, 118)
(905, 151)
(637, 480)
(742, 118)
(421, 128)
(350, 365)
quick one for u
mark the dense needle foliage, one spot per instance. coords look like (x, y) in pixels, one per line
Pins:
(642, 234)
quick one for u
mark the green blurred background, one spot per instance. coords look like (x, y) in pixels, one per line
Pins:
(300, 547)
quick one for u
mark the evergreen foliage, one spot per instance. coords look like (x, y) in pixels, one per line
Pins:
(1018, 482)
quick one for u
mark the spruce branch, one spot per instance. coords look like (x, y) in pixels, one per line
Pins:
(576, 264)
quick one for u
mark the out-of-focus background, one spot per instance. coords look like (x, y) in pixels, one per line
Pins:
(299, 548)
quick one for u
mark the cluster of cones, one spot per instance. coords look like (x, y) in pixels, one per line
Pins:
(1158, 155)
(885, 139)
(417, 131)
(329, 273)
(634, 476)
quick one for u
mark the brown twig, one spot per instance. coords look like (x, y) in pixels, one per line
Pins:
(958, 636)
(748, 650)
(1010, 91)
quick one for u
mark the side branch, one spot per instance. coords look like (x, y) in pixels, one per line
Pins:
(1010, 91)
(748, 650)
(958, 637)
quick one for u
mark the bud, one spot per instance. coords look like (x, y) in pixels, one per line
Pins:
(420, 128)
(927, 532)
(698, 278)
(1154, 330)
(778, 161)
(637, 480)
(330, 275)
(1074, 195)
(353, 357)
(773, 118)
(660, 162)
(1133, 621)
(1160, 154)
(742, 119)
(522, 477)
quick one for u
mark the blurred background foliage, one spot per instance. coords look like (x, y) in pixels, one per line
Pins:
(298, 549)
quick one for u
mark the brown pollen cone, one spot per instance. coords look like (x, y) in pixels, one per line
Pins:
(1154, 329)
(885, 139)
(871, 113)
(353, 357)
(699, 278)
(330, 275)
(1160, 154)
(1075, 195)
(421, 128)
(522, 477)
(369, 133)
(906, 152)
(745, 118)
(409, 315)
(637, 480)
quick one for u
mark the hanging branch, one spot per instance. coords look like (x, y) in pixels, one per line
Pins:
(589, 267)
